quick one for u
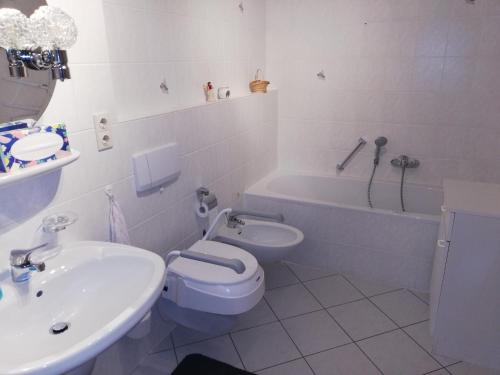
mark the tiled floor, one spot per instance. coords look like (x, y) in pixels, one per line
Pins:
(312, 322)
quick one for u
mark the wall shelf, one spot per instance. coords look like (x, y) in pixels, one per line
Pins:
(10, 178)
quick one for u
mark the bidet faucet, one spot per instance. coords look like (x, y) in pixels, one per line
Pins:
(21, 263)
(233, 217)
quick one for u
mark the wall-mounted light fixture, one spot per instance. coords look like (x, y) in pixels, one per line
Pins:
(38, 42)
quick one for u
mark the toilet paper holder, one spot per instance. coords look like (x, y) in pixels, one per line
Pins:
(206, 199)
(201, 193)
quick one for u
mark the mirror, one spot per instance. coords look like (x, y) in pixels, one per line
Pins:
(24, 98)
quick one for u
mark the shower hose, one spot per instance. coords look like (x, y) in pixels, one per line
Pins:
(370, 185)
(401, 189)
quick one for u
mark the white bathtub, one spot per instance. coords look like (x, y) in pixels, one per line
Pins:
(344, 234)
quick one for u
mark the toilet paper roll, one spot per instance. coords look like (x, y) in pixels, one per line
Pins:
(207, 204)
(202, 210)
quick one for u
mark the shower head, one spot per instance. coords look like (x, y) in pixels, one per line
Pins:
(379, 143)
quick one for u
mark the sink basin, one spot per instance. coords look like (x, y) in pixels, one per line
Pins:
(94, 292)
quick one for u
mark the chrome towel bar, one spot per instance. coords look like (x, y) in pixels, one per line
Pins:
(359, 146)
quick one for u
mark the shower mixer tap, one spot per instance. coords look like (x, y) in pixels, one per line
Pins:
(404, 161)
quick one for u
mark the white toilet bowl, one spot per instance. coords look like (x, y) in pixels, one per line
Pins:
(208, 297)
(267, 241)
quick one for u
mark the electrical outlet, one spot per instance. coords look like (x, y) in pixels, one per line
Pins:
(101, 122)
(104, 140)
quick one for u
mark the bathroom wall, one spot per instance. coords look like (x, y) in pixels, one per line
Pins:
(423, 73)
(184, 43)
(225, 146)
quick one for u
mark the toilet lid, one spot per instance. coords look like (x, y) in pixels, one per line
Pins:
(212, 273)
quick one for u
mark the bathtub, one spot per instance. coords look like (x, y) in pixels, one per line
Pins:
(342, 233)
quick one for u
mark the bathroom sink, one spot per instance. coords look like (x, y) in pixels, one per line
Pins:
(90, 295)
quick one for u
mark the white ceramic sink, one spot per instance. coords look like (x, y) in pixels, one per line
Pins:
(101, 289)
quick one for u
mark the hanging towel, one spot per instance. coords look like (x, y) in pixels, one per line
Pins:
(117, 225)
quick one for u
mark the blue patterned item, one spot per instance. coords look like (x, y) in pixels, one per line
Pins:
(9, 163)
(12, 126)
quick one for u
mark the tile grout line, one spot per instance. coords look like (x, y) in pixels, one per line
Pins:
(304, 357)
(366, 295)
(173, 346)
(345, 332)
(237, 352)
(421, 299)
(402, 327)
(293, 342)
(315, 278)
(425, 350)
(354, 342)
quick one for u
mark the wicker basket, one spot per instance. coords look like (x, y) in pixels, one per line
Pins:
(259, 86)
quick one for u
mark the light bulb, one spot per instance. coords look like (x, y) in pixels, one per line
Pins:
(52, 28)
(14, 31)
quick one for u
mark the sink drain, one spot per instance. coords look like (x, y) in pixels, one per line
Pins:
(59, 328)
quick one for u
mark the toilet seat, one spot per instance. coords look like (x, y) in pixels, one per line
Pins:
(211, 273)
(213, 288)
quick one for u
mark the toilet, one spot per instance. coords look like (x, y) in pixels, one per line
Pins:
(268, 241)
(209, 285)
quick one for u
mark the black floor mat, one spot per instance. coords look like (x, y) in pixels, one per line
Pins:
(198, 364)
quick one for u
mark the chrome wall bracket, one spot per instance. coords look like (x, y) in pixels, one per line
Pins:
(56, 60)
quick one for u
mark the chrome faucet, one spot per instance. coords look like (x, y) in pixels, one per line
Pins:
(403, 161)
(21, 264)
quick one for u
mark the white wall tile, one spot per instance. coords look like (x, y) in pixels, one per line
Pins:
(418, 72)
(124, 51)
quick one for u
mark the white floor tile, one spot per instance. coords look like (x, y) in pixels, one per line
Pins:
(291, 300)
(157, 364)
(361, 319)
(166, 344)
(306, 273)
(277, 275)
(464, 368)
(370, 288)
(315, 332)
(297, 367)
(184, 336)
(423, 296)
(395, 353)
(402, 307)
(265, 346)
(346, 360)
(439, 372)
(334, 290)
(220, 348)
(421, 334)
(260, 314)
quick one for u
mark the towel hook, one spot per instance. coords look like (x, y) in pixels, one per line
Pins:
(108, 190)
